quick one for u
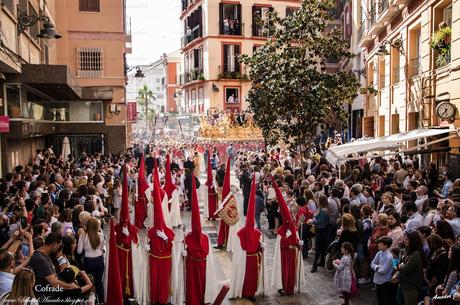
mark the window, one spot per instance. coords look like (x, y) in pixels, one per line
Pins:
(34, 29)
(232, 95)
(89, 5)
(382, 74)
(230, 19)
(192, 26)
(158, 80)
(231, 53)
(89, 62)
(260, 18)
(158, 89)
(198, 59)
(255, 48)
(395, 66)
(9, 4)
(201, 100)
(447, 15)
(414, 51)
(160, 96)
(44, 53)
(26, 9)
(184, 4)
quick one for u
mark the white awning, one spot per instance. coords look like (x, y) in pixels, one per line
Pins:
(339, 154)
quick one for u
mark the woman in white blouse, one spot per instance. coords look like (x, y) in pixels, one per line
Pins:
(91, 243)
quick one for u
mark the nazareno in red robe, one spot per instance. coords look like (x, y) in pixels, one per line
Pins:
(250, 242)
(125, 257)
(195, 273)
(160, 265)
(288, 257)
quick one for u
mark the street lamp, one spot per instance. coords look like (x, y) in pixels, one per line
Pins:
(48, 31)
(397, 44)
(139, 74)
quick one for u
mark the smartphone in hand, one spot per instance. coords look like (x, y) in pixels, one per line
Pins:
(23, 222)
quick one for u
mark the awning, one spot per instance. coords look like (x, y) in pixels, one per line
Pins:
(339, 154)
(55, 81)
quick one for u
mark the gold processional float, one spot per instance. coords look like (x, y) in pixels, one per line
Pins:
(225, 128)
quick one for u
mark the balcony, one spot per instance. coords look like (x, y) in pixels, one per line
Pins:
(387, 11)
(375, 26)
(184, 4)
(363, 36)
(230, 27)
(190, 76)
(192, 34)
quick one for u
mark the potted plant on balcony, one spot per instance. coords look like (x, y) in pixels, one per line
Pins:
(368, 90)
(201, 77)
(441, 43)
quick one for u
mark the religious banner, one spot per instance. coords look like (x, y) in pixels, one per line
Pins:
(132, 111)
(4, 124)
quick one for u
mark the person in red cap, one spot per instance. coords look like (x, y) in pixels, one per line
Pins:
(228, 227)
(114, 293)
(173, 196)
(247, 277)
(140, 206)
(199, 279)
(210, 208)
(126, 234)
(161, 240)
(288, 270)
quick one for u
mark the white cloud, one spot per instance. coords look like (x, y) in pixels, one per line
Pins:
(155, 29)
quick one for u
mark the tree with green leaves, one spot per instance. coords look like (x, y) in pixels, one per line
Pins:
(144, 96)
(292, 91)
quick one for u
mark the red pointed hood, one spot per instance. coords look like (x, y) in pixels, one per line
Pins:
(158, 219)
(169, 185)
(196, 220)
(155, 170)
(288, 223)
(249, 235)
(226, 186)
(124, 212)
(141, 175)
(114, 286)
(209, 176)
(251, 214)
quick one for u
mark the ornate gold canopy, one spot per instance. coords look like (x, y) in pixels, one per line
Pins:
(226, 128)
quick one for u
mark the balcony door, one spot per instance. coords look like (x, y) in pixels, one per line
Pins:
(231, 53)
(260, 18)
(230, 19)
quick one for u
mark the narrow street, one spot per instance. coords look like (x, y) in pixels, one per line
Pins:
(319, 289)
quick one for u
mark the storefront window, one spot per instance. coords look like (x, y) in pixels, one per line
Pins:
(13, 98)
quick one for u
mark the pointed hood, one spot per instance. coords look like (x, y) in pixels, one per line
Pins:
(158, 219)
(226, 186)
(250, 217)
(155, 170)
(288, 223)
(124, 212)
(196, 219)
(169, 184)
(249, 235)
(141, 175)
(209, 179)
(114, 287)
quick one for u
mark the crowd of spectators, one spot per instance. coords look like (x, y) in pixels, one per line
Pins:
(399, 223)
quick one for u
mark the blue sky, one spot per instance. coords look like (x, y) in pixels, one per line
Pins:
(155, 29)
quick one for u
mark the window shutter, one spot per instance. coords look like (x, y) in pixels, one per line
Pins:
(254, 21)
(237, 63)
(226, 63)
(221, 18)
(239, 18)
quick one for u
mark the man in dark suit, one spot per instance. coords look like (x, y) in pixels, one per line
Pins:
(188, 185)
(149, 163)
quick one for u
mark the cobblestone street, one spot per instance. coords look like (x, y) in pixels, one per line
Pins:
(319, 286)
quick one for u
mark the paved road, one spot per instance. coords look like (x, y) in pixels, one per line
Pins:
(319, 286)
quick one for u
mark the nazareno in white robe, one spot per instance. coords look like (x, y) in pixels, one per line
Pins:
(174, 213)
(238, 272)
(164, 206)
(211, 289)
(276, 281)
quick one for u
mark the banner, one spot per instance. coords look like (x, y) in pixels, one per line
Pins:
(132, 111)
(4, 124)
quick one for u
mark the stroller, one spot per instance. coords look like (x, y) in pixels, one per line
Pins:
(332, 253)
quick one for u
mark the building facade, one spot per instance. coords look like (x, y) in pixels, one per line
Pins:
(73, 86)
(407, 78)
(214, 34)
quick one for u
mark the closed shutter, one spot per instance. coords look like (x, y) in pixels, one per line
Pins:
(221, 18)
(226, 63)
(254, 21)
(235, 58)
(239, 18)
